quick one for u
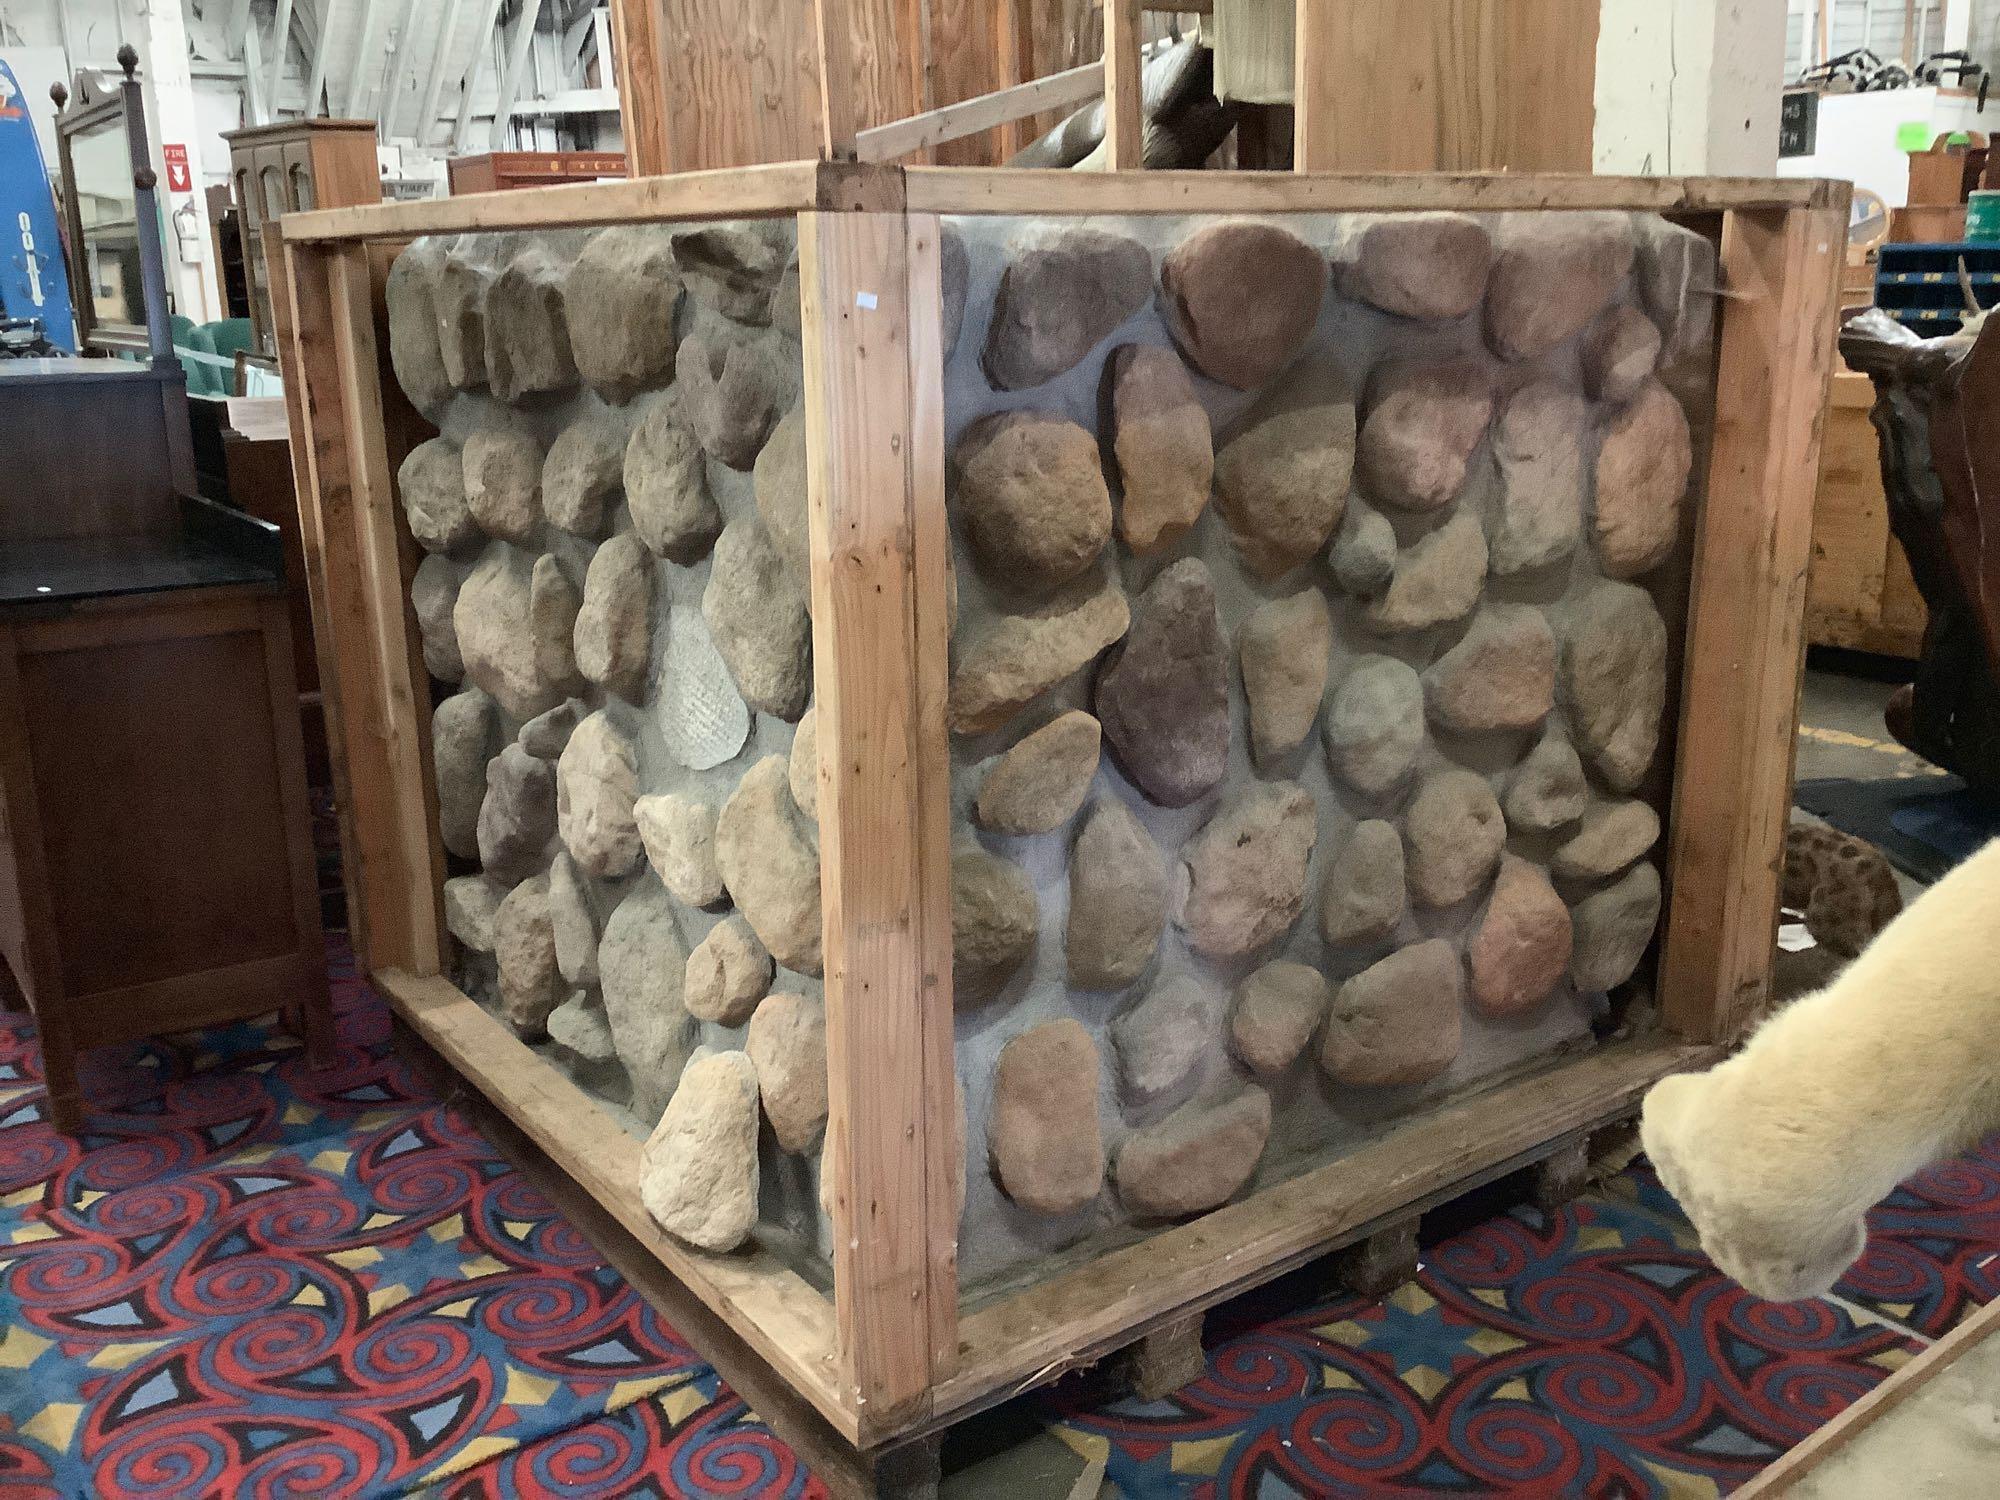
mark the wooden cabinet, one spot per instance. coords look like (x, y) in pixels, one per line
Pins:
(285, 168)
(1860, 594)
(499, 170)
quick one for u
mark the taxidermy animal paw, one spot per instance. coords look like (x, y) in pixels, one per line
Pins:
(1778, 1153)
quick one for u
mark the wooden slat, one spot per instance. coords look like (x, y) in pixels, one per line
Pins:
(1783, 1475)
(878, 582)
(1083, 1314)
(1124, 120)
(642, 87)
(967, 190)
(770, 1306)
(1745, 639)
(835, 40)
(955, 121)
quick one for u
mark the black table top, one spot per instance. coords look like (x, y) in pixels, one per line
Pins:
(215, 547)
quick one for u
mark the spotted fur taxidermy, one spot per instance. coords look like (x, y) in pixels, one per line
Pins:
(1841, 885)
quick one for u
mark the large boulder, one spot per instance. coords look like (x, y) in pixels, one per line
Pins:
(1620, 354)
(620, 298)
(1500, 676)
(1281, 476)
(765, 851)
(1241, 299)
(1065, 288)
(1538, 443)
(642, 965)
(787, 1042)
(1437, 579)
(698, 1169)
(1038, 785)
(1283, 651)
(1363, 554)
(678, 833)
(1196, 1159)
(1159, 1039)
(1430, 266)
(573, 917)
(1552, 274)
(1614, 680)
(780, 484)
(1276, 1010)
(471, 904)
(1455, 833)
(1521, 948)
(1163, 445)
(461, 729)
(1163, 696)
(1424, 423)
(583, 474)
(596, 786)
(493, 620)
(1117, 900)
(547, 734)
(1020, 657)
(666, 484)
(1244, 876)
(756, 613)
(431, 482)
(1364, 895)
(1374, 727)
(518, 817)
(802, 765)
(1643, 462)
(1031, 499)
(1043, 1135)
(994, 922)
(524, 948)
(527, 329)
(1397, 1022)
(614, 626)
(459, 295)
(1613, 929)
(503, 482)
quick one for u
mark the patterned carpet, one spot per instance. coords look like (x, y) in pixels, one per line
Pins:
(252, 1279)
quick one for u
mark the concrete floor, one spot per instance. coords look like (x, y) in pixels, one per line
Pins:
(1840, 734)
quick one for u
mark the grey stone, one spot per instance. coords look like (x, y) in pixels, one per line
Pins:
(1397, 1022)
(1430, 265)
(1064, 289)
(765, 853)
(583, 474)
(496, 638)
(702, 717)
(580, 1024)
(1643, 462)
(1158, 1040)
(1676, 276)
(1043, 1135)
(413, 326)
(574, 922)
(1117, 899)
(1038, 785)
(1163, 446)
(994, 923)
(787, 1042)
(1196, 1159)
(1613, 929)
(461, 728)
(1276, 1011)
(757, 616)
(459, 296)
(614, 626)
(1281, 476)
(1549, 789)
(780, 485)
(1538, 443)
(1437, 580)
(1244, 878)
(545, 735)
(1521, 947)
(1614, 680)
(553, 602)
(642, 964)
(735, 268)
(955, 275)
(1031, 499)
(698, 1169)
(734, 386)
(518, 816)
(1613, 837)
(1283, 650)
(620, 299)
(727, 974)
(527, 330)
(802, 766)
(1455, 833)
(433, 596)
(1375, 725)
(1424, 423)
(1241, 299)
(1500, 676)
(596, 785)
(1363, 555)
(679, 835)
(1552, 273)
(470, 904)
(503, 483)
(1020, 657)
(524, 947)
(666, 485)
(432, 484)
(1620, 354)
(1163, 696)
(1364, 896)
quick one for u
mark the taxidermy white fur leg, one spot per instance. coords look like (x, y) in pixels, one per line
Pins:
(1777, 1153)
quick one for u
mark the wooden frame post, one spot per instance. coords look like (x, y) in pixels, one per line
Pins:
(1124, 86)
(836, 82)
(636, 27)
(875, 474)
(1745, 637)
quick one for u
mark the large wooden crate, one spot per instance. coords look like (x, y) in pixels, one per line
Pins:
(894, 1354)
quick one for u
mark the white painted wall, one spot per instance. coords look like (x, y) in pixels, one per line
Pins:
(1689, 86)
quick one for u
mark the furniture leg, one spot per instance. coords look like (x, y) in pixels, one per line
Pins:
(65, 1094)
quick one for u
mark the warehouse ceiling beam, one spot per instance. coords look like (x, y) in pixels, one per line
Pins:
(281, 38)
(322, 50)
(351, 96)
(473, 73)
(510, 81)
(440, 64)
